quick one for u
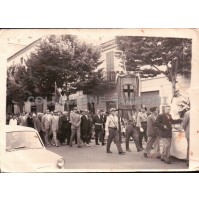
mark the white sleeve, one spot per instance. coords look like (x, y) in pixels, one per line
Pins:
(107, 124)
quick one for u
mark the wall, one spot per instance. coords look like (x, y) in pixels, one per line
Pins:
(17, 58)
(117, 61)
(164, 86)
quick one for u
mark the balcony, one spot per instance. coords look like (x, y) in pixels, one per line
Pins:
(110, 76)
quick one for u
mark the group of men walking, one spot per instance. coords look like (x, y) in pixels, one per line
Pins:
(152, 127)
(57, 128)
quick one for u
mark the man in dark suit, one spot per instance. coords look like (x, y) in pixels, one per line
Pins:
(30, 121)
(153, 137)
(164, 124)
(98, 123)
(85, 127)
(39, 126)
(104, 117)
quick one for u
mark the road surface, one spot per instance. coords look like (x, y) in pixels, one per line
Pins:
(95, 159)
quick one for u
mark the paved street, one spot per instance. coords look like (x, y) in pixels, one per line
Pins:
(95, 158)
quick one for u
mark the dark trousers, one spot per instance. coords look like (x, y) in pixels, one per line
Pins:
(113, 135)
(42, 135)
(90, 135)
(143, 134)
(103, 136)
(85, 136)
(68, 135)
(99, 134)
(131, 131)
(166, 143)
(153, 141)
(120, 137)
(61, 135)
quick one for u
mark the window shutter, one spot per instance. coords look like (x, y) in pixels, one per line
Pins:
(110, 61)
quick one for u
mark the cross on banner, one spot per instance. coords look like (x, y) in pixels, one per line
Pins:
(128, 90)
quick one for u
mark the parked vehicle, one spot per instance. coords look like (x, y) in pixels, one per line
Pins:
(23, 151)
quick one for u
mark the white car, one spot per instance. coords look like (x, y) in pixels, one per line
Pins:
(24, 151)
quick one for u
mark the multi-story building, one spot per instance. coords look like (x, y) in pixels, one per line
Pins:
(154, 91)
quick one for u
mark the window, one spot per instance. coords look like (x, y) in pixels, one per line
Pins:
(21, 60)
(110, 61)
(22, 140)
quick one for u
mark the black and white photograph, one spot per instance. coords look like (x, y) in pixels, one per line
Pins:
(98, 100)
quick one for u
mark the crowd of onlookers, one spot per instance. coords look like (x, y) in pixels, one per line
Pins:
(58, 128)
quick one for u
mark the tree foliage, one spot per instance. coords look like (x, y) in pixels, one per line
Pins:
(64, 59)
(17, 90)
(168, 56)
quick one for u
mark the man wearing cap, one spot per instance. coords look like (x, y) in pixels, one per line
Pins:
(98, 123)
(75, 121)
(112, 129)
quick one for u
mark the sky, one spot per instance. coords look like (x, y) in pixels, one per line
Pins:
(19, 38)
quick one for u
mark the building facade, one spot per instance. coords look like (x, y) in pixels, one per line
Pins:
(156, 91)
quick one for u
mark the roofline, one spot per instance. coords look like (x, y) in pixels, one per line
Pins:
(23, 49)
(107, 41)
(108, 45)
(105, 44)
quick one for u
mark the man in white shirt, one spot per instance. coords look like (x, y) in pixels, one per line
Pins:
(23, 119)
(112, 129)
(13, 120)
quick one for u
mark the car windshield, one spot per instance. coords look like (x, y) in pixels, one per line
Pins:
(22, 140)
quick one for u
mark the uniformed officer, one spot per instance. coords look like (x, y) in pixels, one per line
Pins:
(112, 129)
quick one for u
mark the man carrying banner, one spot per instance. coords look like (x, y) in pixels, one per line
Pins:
(58, 95)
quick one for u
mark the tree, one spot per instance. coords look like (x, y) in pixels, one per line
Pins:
(168, 56)
(63, 59)
(17, 90)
